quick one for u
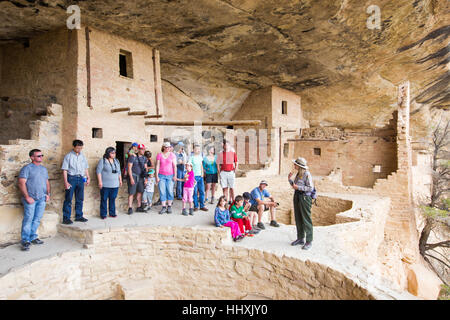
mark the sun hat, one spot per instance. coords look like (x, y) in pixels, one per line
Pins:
(181, 143)
(301, 162)
(264, 182)
(141, 146)
(135, 144)
(167, 144)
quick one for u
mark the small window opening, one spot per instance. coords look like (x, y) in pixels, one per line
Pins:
(97, 133)
(317, 151)
(286, 150)
(125, 64)
(153, 138)
(283, 107)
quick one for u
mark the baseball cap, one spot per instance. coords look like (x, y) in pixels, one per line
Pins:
(135, 144)
(141, 146)
(181, 143)
(264, 182)
(151, 171)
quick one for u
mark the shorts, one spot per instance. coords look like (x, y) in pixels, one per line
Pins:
(227, 179)
(188, 195)
(211, 178)
(254, 207)
(138, 185)
(147, 197)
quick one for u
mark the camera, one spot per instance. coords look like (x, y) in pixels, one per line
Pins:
(114, 171)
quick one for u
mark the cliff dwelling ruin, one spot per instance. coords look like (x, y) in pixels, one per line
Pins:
(279, 80)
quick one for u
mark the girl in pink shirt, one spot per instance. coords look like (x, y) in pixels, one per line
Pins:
(188, 190)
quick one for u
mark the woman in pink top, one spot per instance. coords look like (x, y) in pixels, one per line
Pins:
(188, 190)
(165, 176)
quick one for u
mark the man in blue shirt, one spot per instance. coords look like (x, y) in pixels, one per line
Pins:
(259, 204)
(76, 175)
(35, 189)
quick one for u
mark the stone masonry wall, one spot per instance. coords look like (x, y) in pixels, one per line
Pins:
(46, 136)
(181, 264)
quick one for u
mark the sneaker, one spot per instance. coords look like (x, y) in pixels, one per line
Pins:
(103, 218)
(112, 216)
(298, 242)
(260, 225)
(248, 234)
(67, 221)
(25, 246)
(273, 223)
(191, 211)
(37, 241)
(184, 212)
(163, 209)
(204, 209)
(212, 200)
(255, 227)
(169, 209)
(239, 238)
(82, 219)
(130, 210)
(307, 246)
(253, 231)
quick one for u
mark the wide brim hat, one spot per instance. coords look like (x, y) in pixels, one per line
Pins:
(301, 162)
(167, 144)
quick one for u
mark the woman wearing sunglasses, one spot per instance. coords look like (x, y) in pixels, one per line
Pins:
(109, 181)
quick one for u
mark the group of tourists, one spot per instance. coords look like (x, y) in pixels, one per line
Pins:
(191, 174)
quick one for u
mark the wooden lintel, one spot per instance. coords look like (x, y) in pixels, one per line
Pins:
(151, 116)
(137, 113)
(204, 123)
(120, 110)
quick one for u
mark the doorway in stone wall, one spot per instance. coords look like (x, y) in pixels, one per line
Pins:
(121, 150)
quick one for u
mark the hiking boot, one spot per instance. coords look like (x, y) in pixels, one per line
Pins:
(140, 209)
(169, 209)
(184, 212)
(307, 246)
(260, 225)
(191, 211)
(82, 219)
(37, 241)
(25, 246)
(67, 221)
(204, 209)
(195, 209)
(298, 242)
(130, 210)
(273, 223)
(163, 209)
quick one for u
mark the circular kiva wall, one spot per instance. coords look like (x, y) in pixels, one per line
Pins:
(324, 213)
(174, 263)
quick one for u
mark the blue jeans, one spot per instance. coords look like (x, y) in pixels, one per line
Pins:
(32, 215)
(180, 184)
(108, 195)
(200, 188)
(77, 188)
(165, 187)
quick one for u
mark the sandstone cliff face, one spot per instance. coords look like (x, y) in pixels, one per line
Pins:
(216, 51)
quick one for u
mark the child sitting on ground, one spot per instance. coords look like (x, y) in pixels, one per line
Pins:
(252, 215)
(188, 190)
(222, 219)
(238, 215)
(147, 197)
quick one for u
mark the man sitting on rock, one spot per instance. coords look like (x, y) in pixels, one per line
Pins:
(259, 204)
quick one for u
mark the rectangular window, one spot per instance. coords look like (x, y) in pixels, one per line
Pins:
(283, 107)
(286, 150)
(317, 151)
(125, 64)
(153, 138)
(97, 133)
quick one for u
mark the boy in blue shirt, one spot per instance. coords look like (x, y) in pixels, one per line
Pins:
(259, 204)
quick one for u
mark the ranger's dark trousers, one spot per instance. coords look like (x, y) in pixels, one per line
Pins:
(302, 211)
